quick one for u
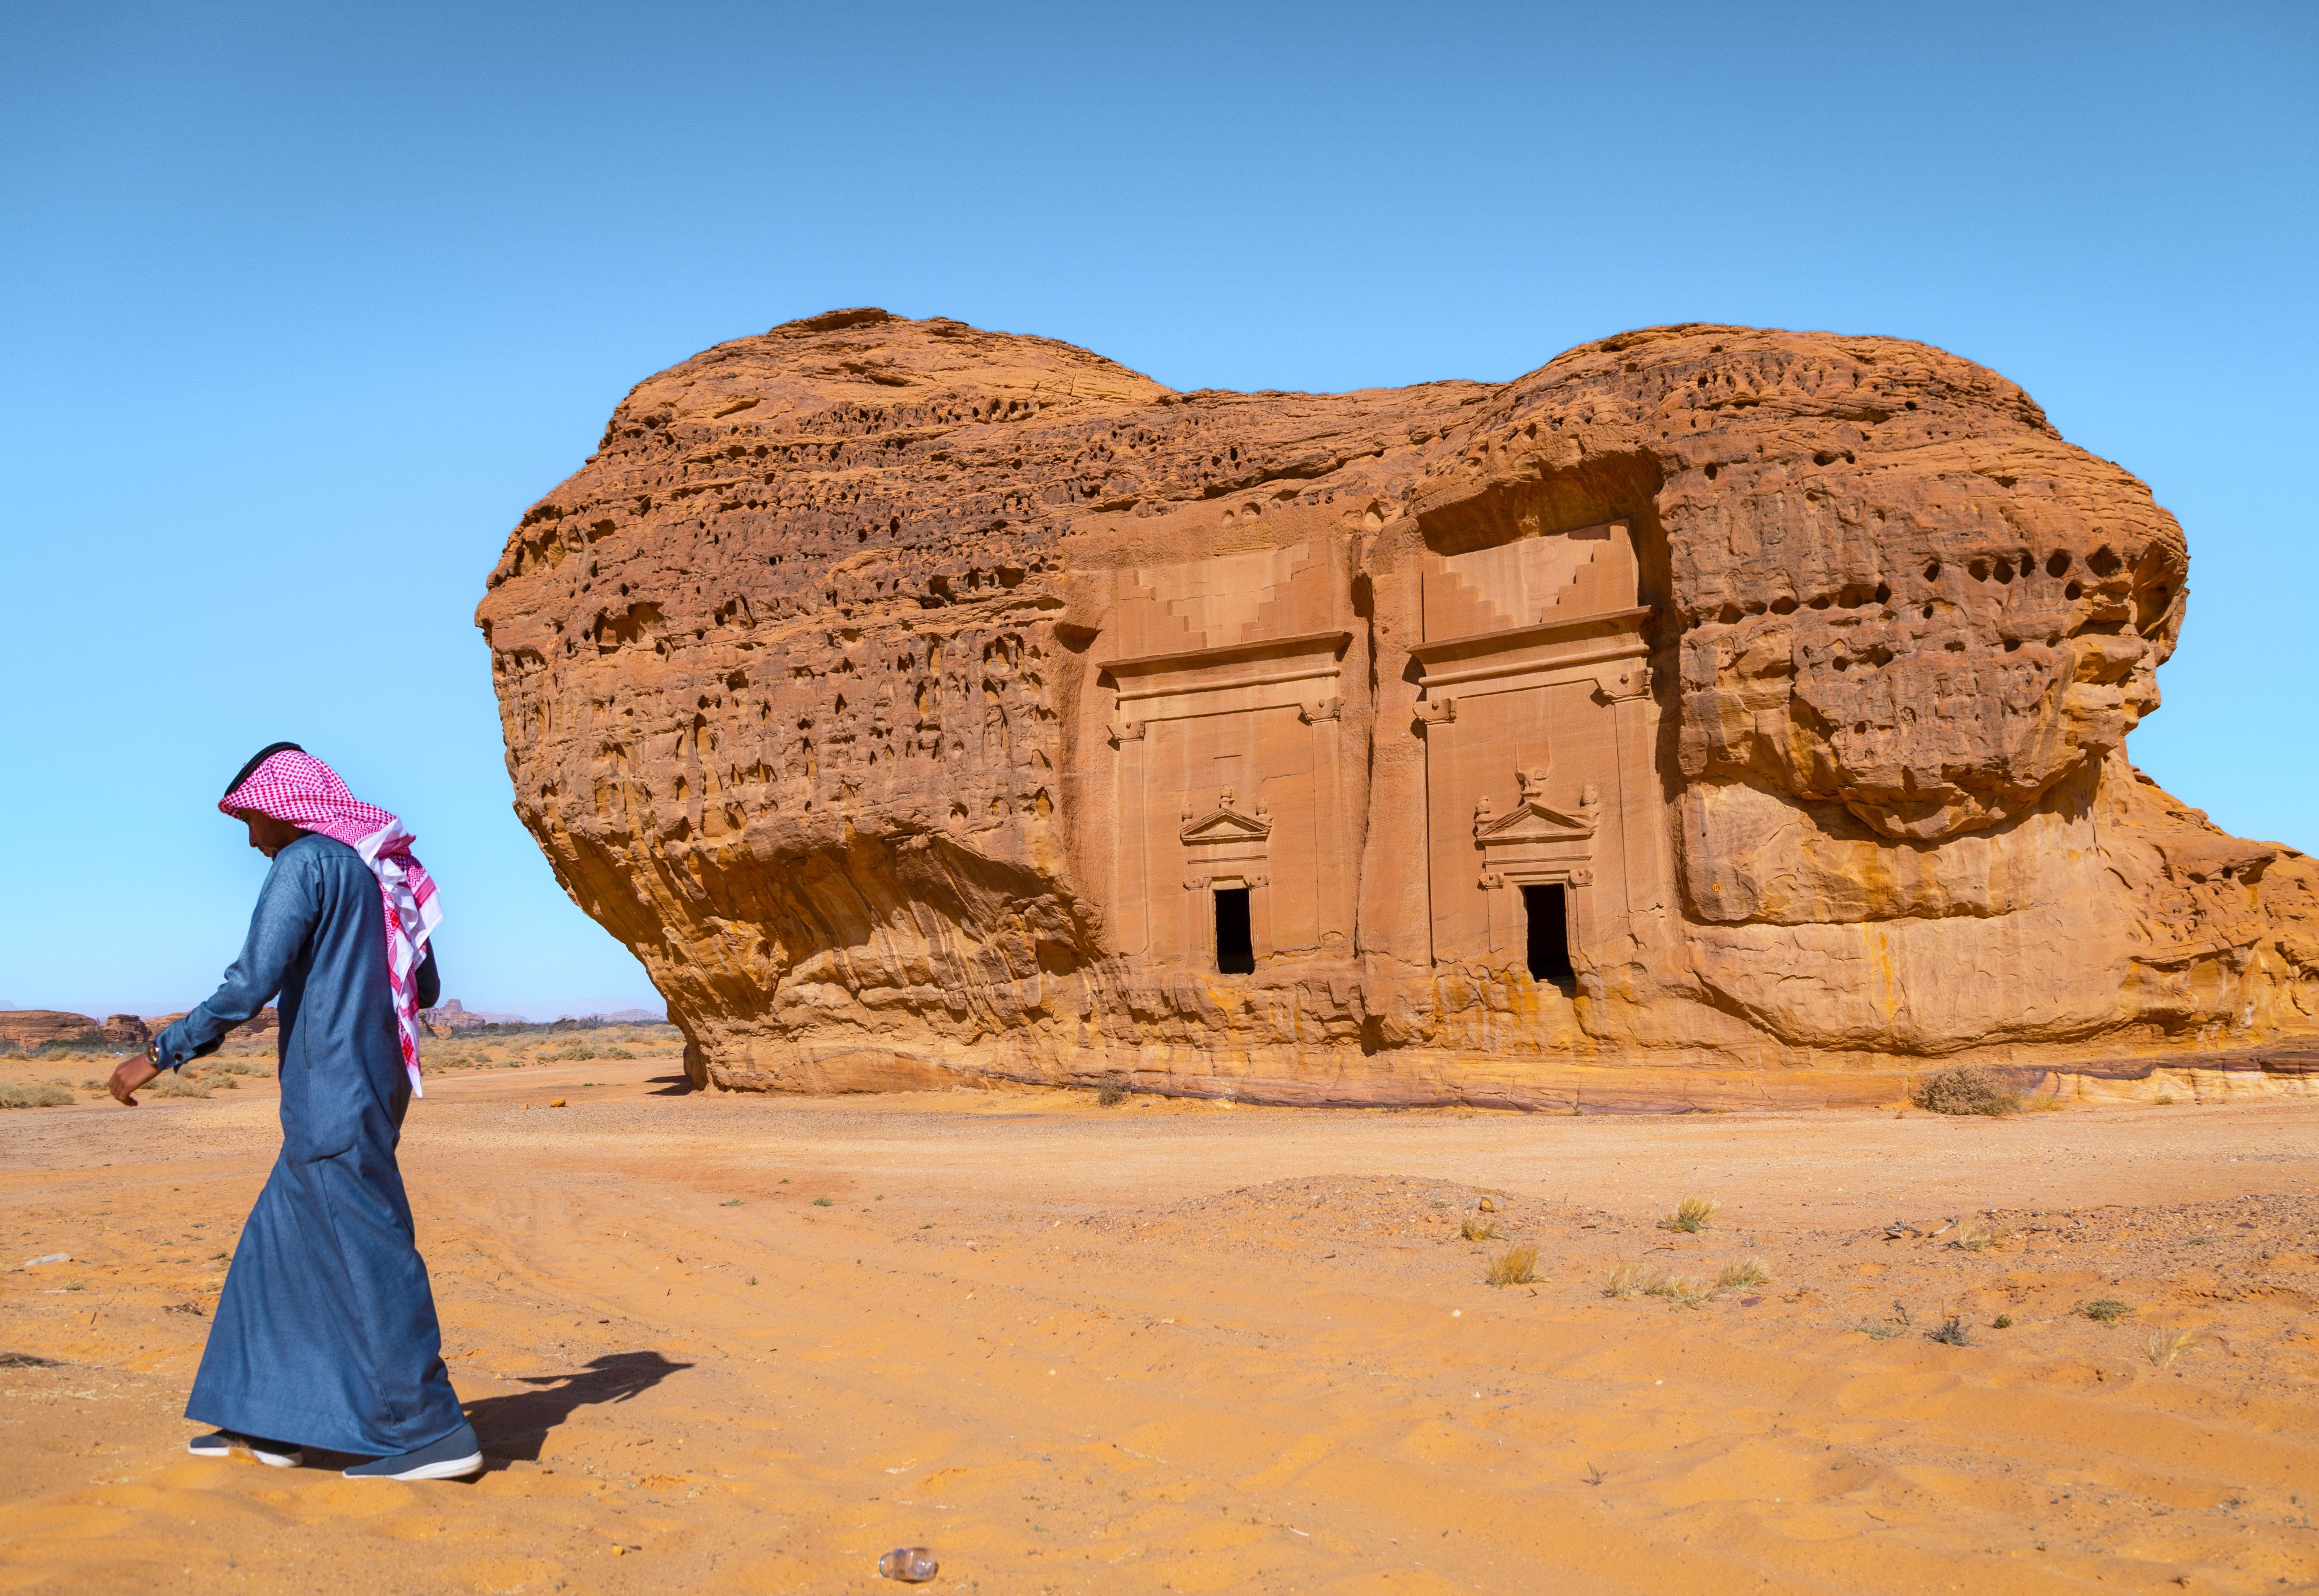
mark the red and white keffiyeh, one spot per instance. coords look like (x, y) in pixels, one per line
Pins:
(300, 789)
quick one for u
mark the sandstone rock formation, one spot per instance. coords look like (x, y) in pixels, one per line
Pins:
(1711, 714)
(266, 1024)
(36, 1027)
(453, 1016)
(126, 1030)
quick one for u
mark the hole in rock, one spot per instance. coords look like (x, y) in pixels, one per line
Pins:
(1235, 948)
(1546, 910)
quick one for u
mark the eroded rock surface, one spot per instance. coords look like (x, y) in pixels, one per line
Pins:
(922, 702)
(33, 1027)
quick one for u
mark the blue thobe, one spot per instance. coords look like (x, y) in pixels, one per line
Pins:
(325, 1336)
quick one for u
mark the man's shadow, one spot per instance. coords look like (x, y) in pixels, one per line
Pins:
(513, 1428)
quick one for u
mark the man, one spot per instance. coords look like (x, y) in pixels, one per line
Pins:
(325, 1336)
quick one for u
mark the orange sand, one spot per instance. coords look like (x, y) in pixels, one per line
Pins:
(1177, 1347)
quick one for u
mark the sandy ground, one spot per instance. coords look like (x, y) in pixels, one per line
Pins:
(716, 1343)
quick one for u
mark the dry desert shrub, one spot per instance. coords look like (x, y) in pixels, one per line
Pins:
(1625, 1281)
(1111, 1093)
(1476, 1230)
(1964, 1088)
(176, 1084)
(2164, 1346)
(1982, 1235)
(581, 1051)
(1516, 1266)
(1681, 1290)
(1690, 1215)
(2106, 1310)
(39, 1096)
(1950, 1333)
(1746, 1272)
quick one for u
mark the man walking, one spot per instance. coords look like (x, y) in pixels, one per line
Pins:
(326, 1335)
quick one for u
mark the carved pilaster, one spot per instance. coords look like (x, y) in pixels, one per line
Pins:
(1335, 879)
(1130, 846)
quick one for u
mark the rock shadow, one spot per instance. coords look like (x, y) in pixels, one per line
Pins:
(512, 1429)
(672, 1086)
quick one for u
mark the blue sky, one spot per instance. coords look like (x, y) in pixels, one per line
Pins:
(300, 307)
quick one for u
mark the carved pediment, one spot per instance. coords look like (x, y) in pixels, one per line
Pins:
(1533, 822)
(1227, 825)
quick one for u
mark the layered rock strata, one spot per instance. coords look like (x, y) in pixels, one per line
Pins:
(1711, 715)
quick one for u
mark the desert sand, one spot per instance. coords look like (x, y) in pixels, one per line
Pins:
(744, 1343)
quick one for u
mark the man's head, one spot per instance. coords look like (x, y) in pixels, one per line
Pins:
(268, 835)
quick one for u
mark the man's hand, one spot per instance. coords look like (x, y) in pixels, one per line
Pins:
(133, 1074)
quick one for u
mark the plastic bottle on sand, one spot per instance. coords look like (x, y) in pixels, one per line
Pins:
(913, 1565)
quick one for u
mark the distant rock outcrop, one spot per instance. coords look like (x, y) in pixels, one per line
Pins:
(266, 1024)
(1712, 713)
(452, 1017)
(33, 1027)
